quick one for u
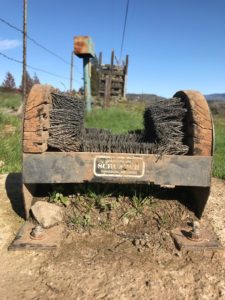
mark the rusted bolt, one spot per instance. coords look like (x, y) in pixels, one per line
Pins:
(195, 233)
(37, 233)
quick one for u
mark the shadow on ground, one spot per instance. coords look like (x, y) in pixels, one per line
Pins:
(13, 186)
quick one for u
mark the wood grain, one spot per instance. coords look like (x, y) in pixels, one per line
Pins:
(199, 127)
(37, 119)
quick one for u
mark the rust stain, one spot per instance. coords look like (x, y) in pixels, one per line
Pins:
(83, 46)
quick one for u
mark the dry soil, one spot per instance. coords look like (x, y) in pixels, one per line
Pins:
(109, 264)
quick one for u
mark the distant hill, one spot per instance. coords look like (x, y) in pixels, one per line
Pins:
(153, 97)
(143, 97)
(215, 97)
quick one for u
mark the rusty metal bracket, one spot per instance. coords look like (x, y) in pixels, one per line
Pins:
(183, 239)
(51, 239)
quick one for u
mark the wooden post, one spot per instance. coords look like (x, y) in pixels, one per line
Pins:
(71, 73)
(99, 76)
(110, 76)
(112, 59)
(107, 90)
(24, 80)
(125, 76)
(100, 59)
(127, 62)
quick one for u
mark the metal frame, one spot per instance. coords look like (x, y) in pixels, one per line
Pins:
(193, 172)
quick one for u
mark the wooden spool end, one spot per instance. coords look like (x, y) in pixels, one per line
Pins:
(198, 124)
(37, 119)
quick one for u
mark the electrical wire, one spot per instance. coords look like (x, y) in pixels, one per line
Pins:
(37, 43)
(124, 29)
(34, 41)
(36, 69)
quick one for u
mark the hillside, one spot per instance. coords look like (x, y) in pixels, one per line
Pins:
(215, 97)
(153, 97)
(143, 97)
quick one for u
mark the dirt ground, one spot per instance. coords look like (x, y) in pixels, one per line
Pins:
(102, 264)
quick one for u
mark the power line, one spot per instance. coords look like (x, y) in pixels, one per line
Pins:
(37, 43)
(124, 29)
(36, 69)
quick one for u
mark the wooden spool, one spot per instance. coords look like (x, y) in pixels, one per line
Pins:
(198, 123)
(199, 135)
(37, 119)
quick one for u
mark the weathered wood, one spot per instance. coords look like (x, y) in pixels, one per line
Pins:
(37, 136)
(39, 94)
(126, 65)
(112, 60)
(34, 147)
(36, 124)
(115, 73)
(107, 91)
(199, 127)
(100, 58)
(118, 76)
(37, 119)
(40, 110)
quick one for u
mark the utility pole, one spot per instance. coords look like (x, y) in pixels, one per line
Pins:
(71, 73)
(24, 80)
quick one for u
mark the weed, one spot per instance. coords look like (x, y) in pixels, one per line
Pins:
(138, 202)
(58, 198)
(100, 201)
(81, 220)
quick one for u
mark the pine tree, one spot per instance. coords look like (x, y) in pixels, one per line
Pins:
(9, 82)
(36, 80)
(29, 83)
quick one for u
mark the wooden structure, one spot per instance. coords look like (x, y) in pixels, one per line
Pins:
(112, 79)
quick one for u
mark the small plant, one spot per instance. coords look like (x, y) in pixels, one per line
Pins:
(138, 203)
(58, 198)
(81, 220)
(100, 201)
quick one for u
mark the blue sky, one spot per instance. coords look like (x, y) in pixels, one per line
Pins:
(172, 44)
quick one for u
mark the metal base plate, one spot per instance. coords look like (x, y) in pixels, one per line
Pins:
(51, 239)
(208, 240)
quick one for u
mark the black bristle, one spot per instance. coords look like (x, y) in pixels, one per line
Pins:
(162, 134)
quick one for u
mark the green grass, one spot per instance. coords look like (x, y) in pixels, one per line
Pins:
(219, 157)
(10, 145)
(10, 99)
(119, 119)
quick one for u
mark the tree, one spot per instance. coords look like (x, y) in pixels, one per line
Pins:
(9, 82)
(29, 82)
(36, 80)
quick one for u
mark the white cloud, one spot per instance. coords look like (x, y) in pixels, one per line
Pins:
(9, 44)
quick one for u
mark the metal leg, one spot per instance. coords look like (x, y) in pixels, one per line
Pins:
(28, 192)
(200, 196)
